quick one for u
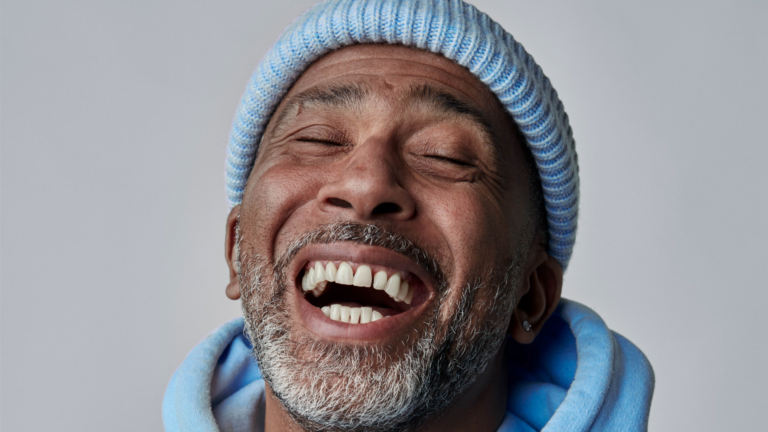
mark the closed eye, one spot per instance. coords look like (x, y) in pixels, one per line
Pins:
(451, 160)
(320, 141)
(323, 135)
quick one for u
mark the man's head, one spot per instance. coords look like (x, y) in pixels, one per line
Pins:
(402, 166)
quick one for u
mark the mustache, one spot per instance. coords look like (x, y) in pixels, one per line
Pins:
(364, 234)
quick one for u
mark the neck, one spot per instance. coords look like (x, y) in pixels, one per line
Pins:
(480, 408)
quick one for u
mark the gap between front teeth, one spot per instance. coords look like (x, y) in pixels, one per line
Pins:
(352, 315)
(317, 277)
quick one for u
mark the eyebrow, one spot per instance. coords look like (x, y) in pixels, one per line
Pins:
(337, 96)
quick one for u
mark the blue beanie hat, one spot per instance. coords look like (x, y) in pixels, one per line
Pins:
(451, 28)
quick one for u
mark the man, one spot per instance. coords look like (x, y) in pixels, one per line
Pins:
(404, 192)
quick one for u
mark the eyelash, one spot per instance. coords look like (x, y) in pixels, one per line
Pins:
(451, 160)
(319, 141)
(334, 138)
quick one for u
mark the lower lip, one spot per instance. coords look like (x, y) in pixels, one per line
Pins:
(316, 322)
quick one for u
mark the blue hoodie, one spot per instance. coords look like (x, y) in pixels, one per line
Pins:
(577, 376)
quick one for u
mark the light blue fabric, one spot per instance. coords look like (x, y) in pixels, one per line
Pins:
(452, 28)
(577, 376)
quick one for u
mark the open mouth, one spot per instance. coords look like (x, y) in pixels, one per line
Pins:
(356, 293)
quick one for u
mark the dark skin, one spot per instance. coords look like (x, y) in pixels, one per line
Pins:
(416, 142)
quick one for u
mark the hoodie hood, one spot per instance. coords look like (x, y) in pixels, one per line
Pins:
(577, 376)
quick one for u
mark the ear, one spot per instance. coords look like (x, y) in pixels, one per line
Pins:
(232, 255)
(539, 295)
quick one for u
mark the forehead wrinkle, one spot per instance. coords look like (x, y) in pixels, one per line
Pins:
(338, 96)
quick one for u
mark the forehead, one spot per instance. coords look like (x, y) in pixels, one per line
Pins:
(395, 60)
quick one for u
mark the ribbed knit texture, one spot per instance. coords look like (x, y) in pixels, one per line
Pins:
(452, 28)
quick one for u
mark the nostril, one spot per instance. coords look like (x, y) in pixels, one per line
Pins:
(385, 208)
(339, 203)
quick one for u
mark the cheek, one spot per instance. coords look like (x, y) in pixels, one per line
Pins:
(478, 232)
(475, 228)
(273, 196)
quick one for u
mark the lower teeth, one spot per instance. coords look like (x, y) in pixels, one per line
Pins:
(352, 315)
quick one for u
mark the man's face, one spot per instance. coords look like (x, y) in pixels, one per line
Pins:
(394, 163)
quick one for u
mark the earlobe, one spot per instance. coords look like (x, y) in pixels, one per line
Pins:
(232, 253)
(544, 282)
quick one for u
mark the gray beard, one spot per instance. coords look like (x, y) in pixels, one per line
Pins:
(331, 386)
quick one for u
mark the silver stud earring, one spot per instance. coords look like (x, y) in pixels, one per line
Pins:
(526, 326)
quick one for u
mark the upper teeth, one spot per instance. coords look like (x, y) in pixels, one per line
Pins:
(317, 277)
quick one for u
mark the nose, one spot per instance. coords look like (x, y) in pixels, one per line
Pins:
(368, 187)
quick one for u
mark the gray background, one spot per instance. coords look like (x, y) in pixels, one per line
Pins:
(115, 118)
